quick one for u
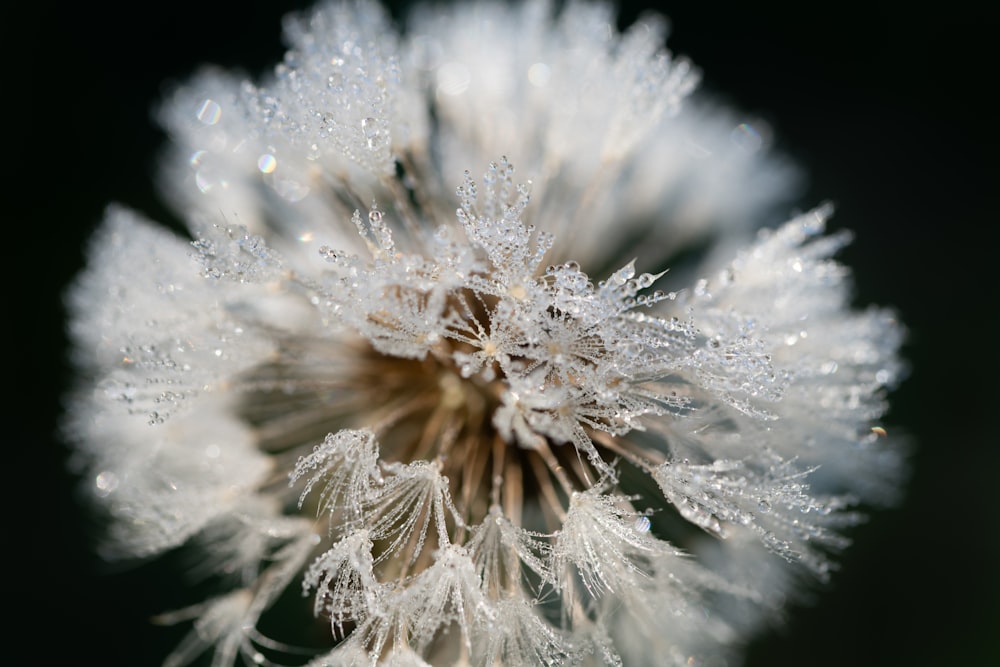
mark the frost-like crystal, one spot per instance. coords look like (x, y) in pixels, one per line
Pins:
(469, 408)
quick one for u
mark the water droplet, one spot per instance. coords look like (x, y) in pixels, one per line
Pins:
(331, 254)
(369, 127)
(267, 163)
(747, 137)
(106, 482)
(209, 112)
(642, 524)
(204, 179)
(764, 505)
(196, 157)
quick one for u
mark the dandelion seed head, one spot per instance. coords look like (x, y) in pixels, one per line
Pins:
(427, 355)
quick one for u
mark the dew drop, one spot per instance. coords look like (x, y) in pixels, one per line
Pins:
(747, 137)
(369, 127)
(209, 112)
(266, 163)
(106, 482)
(204, 180)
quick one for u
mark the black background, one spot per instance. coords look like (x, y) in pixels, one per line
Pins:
(885, 106)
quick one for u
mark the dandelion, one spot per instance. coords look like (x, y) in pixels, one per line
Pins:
(463, 408)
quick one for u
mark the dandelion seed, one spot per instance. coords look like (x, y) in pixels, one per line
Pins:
(465, 403)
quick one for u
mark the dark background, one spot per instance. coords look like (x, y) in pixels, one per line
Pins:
(885, 108)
